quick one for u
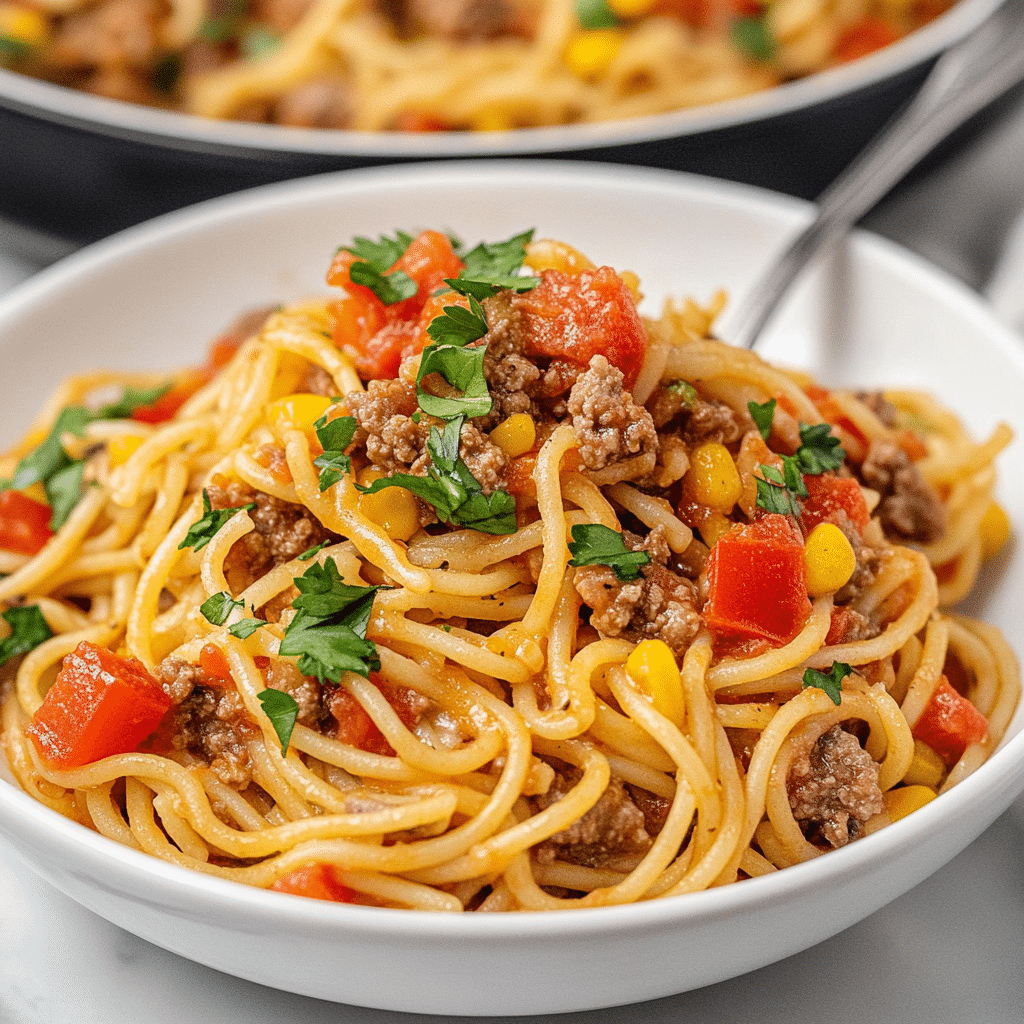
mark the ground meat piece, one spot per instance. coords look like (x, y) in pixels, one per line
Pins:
(714, 421)
(307, 692)
(324, 102)
(880, 406)
(474, 19)
(833, 785)
(614, 828)
(610, 425)
(116, 33)
(910, 508)
(392, 440)
(660, 605)
(283, 530)
(209, 721)
(512, 378)
(654, 808)
(317, 381)
(484, 459)
(666, 403)
(122, 84)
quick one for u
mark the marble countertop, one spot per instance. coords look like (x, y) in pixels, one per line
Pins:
(950, 951)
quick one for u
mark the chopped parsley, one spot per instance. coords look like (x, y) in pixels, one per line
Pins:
(374, 259)
(491, 266)
(132, 399)
(831, 682)
(462, 369)
(328, 631)
(457, 325)
(283, 712)
(685, 391)
(219, 606)
(335, 436)
(452, 490)
(28, 631)
(313, 551)
(778, 492)
(226, 23)
(753, 38)
(201, 532)
(245, 628)
(819, 449)
(595, 544)
(595, 14)
(762, 414)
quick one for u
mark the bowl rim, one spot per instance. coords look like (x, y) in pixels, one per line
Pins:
(1003, 773)
(186, 132)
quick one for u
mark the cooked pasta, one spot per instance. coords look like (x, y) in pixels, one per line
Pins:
(436, 65)
(467, 587)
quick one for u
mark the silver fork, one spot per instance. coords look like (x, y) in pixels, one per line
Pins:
(968, 76)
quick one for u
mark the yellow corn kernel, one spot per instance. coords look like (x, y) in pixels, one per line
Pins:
(394, 509)
(714, 478)
(652, 666)
(295, 412)
(589, 54)
(492, 119)
(631, 8)
(926, 767)
(830, 560)
(515, 435)
(22, 25)
(907, 799)
(291, 369)
(713, 526)
(995, 529)
(122, 447)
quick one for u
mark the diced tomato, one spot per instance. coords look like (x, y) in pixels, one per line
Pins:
(829, 495)
(576, 317)
(428, 260)
(168, 404)
(100, 704)
(842, 622)
(703, 13)
(24, 523)
(317, 881)
(418, 121)
(757, 582)
(912, 444)
(950, 723)
(213, 662)
(863, 38)
(355, 726)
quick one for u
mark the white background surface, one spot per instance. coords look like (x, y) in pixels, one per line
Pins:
(949, 952)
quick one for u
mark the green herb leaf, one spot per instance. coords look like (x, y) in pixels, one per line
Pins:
(257, 41)
(383, 254)
(463, 370)
(458, 325)
(335, 436)
(762, 415)
(328, 631)
(283, 712)
(245, 628)
(492, 266)
(219, 606)
(685, 390)
(132, 399)
(819, 450)
(13, 50)
(314, 551)
(389, 288)
(595, 14)
(28, 631)
(773, 495)
(49, 457)
(63, 491)
(451, 489)
(594, 544)
(225, 24)
(831, 683)
(200, 533)
(753, 37)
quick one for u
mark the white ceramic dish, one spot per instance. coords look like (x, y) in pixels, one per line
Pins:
(873, 314)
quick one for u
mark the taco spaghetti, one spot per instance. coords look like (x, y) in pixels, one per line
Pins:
(470, 588)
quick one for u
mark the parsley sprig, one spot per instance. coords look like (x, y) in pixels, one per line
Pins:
(201, 532)
(49, 464)
(335, 436)
(28, 631)
(451, 488)
(596, 544)
(831, 682)
(491, 266)
(375, 260)
(283, 712)
(461, 368)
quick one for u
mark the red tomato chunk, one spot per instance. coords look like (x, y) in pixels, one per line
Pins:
(757, 582)
(315, 881)
(24, 523)
(100, 704)
(829, 495)
(950, 723)
(577, 317)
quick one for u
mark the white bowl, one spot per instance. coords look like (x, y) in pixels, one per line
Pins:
(870, 315)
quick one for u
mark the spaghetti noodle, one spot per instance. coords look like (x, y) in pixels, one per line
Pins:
(424, 65)
(468, 588)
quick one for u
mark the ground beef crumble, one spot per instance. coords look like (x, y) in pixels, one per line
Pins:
(833, 786)
(910, 508)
